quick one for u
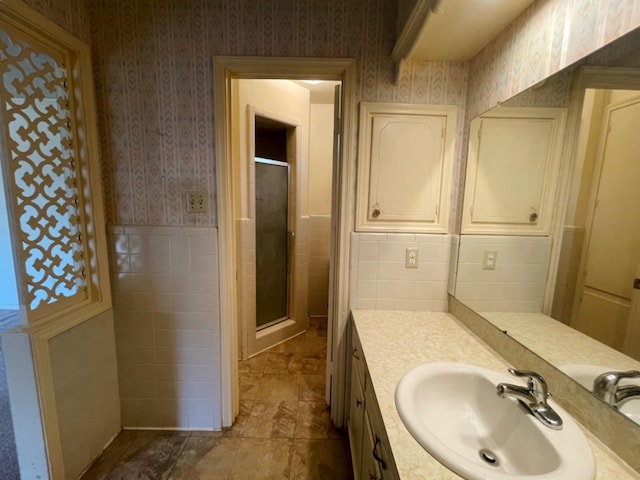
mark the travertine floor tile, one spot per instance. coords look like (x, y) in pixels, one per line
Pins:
(283, 429)
(312, 388)
(151, 454)
(249, 383)
(238, 427)
(272, 419)
(205, 457)
(314, 421)
(277, 387)
(262, 459)
(321, 460)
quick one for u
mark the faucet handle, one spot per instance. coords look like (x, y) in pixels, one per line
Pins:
(605, 384)
(536, 383)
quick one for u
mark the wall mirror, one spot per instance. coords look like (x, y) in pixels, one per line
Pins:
(549, 248)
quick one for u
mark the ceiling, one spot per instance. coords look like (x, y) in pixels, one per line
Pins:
(456, 30)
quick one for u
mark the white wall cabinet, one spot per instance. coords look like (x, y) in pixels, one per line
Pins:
(405, 158)
(512, 171)
(370, 452)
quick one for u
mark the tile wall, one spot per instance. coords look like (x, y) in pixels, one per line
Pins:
(167, 322)
(380, 281)
(518, 282)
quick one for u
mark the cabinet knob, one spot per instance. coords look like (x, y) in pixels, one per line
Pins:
(533, 218)
(375, 213)
(355, 353)
(358, 402)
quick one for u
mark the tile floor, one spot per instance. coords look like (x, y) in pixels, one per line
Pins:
(284, 429)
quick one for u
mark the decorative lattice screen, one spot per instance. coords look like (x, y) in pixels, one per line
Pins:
(41, 160)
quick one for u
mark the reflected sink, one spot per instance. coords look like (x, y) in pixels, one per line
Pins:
(453, 411)
(586, 374)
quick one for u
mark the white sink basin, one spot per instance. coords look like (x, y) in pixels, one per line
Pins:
(586, 374)
(453, 411)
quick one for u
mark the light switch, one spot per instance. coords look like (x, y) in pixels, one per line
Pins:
(489, 260)
(411, 258)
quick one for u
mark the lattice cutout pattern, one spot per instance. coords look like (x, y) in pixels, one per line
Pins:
(37, 119)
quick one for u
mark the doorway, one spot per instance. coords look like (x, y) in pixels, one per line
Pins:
(610, 253)
(227, 70)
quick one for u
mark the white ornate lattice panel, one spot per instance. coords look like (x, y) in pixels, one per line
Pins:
(39, 151)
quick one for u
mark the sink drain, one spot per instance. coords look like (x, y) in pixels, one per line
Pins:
(489, 457)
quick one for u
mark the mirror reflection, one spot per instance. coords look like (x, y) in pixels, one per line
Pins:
(550, 237)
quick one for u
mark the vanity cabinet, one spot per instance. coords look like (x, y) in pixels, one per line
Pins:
(370, 451)
(405, 158)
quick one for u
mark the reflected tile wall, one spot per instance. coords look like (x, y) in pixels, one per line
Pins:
(518, 282)
(165, 291)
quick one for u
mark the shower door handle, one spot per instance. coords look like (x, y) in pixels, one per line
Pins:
(290, 239)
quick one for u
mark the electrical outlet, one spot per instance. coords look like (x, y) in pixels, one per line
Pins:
(489, 260)
(411, 258)
(198, 202)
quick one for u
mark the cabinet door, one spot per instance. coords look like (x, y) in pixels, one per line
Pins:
(405, 160)
(512, 169)
(356, 419)
(370, 469)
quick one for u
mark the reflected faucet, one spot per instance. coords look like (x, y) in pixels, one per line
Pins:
(533, 397)
(605, 387)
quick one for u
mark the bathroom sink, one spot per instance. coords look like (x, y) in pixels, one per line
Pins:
(586, 374)
(453, 411)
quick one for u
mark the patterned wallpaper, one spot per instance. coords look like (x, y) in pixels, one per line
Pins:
(72, 15)
(153, 74)
(547, 37)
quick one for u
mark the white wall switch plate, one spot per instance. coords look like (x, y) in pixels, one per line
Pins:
(198, 202)
(489, 260)
(411, 258)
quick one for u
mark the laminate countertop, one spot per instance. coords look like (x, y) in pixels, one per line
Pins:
(395, 342)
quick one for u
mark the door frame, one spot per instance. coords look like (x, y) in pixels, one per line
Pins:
(252, 342)
(586, 77)
(594, 190)
(224, 70)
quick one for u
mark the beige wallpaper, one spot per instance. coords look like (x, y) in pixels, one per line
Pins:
(547, 37)
(153, 70)
(72, 15)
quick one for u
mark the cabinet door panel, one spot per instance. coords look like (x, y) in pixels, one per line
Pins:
(406, 168)
(356, 418)
(405, 159)
(512, 170)
(370, 469)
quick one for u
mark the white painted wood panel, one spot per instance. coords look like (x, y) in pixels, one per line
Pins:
(405, 159)
(512, 169)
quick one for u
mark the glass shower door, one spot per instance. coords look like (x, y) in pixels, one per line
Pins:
(272, 256)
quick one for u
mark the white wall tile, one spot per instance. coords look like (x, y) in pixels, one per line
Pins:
(379, 279)
(167, 326)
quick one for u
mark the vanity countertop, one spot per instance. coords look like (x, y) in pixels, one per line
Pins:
(395, 342)
(584, 349)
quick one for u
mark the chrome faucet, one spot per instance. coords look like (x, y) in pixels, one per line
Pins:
(533, 397)
(605, 387)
